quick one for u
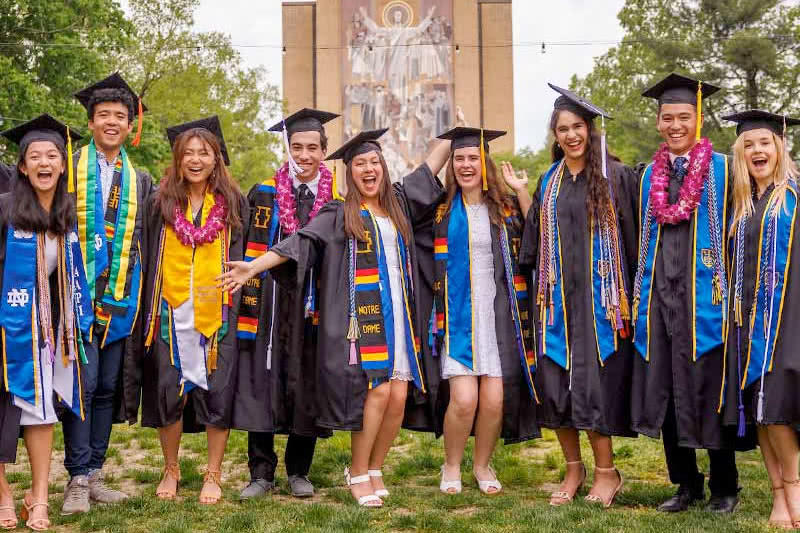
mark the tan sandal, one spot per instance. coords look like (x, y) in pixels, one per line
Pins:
(172, 470)
(36, 524)
(8, 523)
(562, 497)
(593, 498)
(795, 521)
(780, 524)
(211, 478)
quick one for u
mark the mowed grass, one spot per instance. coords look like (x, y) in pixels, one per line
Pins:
(528, 471)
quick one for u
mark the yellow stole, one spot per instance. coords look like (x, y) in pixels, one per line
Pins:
(179, 278)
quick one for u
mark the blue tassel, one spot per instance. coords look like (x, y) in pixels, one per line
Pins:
(741, 427)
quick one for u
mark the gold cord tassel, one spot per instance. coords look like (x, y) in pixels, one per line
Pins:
(699, 110)
(70, 171)
(483, 164)
(352, 330)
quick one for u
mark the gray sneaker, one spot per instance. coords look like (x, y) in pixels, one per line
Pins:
(102, 493)
(76, 496)
(257, 488)
(301, 487)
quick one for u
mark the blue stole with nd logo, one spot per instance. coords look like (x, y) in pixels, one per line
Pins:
(706, 318)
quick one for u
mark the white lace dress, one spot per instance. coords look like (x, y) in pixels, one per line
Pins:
(486, 357)
(402, 368)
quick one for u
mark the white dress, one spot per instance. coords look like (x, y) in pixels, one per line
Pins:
(485, 355)
(402, 368)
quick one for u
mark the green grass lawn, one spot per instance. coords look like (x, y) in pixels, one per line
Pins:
(529, 472)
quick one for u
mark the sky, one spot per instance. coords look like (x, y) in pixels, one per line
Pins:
(255, 28)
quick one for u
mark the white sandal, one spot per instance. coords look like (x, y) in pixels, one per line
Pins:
(445, 486)
(484, 486)
(369, 500)
(381, 493)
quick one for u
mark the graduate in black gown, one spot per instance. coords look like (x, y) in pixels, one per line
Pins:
(481, 310)
(761, 350)
(6, 175)
(194, 225)
(45, 311)
(585, 356)
(679, 299)
(270, 317)
(362, 250)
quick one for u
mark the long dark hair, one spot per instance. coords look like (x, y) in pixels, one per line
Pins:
(496, 200)
(173, 190)
(353, 224)
(597, 201)
(24, 211)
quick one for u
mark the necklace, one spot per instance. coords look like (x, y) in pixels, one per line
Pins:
(691, 190)
(189, 235)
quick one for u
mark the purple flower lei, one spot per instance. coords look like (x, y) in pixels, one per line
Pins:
(692, 189)
(287, 205)
(189, 235)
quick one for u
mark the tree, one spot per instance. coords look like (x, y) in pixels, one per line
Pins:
(749, 47)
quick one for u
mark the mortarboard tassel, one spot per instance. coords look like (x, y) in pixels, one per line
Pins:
(483, 164)
(603, 147)
(335, 184)
(699, 109)
(138, 138)
(70, 171)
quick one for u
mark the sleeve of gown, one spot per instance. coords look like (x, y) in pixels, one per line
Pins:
(6, 175)
(422, 192)
(304, 247)
(627, 206)
(529, 249)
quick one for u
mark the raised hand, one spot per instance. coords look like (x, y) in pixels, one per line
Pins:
(460, 119)
(237, 275)
(517, 181)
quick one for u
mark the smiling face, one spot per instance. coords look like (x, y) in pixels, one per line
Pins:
(677, 124)
(467, 168)
(110, 125)
(197, 161)
(367, 173)
(43, 164)
(572, 133)
(306, 149)
(760, 153)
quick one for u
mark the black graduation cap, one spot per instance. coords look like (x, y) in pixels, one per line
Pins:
(754, 119)
(678, 89)
(114, 81)
(574, 103)
(42, 128)
(464, 137)
(306, 119)
(211, 124)
(365, 141)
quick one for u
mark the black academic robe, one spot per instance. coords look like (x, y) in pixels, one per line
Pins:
(671, 379)
(7, 174)
(162, 403)
(781, 400)
(282, 399)
(341, 388)
(599, 396)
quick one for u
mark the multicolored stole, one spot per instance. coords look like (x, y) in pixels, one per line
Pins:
(371, 313)
(107, 242)
(21, 325)
(262, 233)
(606, 271)
(455, 321)
(774, 256)
(708, 286)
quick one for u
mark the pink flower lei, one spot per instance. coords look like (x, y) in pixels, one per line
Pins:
(691, 191)
(189, 235)
(287, 205)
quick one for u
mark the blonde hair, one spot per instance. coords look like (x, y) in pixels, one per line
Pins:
(785, 172)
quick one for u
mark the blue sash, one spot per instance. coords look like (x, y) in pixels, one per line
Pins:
(765, 318)
(458, 287)
(706, 319)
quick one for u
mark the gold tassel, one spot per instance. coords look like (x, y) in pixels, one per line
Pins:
(699, 110)
(352, 331)
(70, 170)
(635, 309)
(483, 164)
(138, 138)
(213, 352)
(716, 290)
(335, 185)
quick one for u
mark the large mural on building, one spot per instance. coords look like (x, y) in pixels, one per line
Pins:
(398, 74)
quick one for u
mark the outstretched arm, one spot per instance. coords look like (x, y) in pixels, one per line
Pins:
(438, 157)
(240, 271)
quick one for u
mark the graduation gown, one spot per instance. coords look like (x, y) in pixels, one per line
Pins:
(342, 388)
(7, 173)
(162, 402)
(281, 399)
(598, 398)
(781, 400)
(671, 378)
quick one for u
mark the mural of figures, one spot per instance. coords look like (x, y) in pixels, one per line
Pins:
(398, 74)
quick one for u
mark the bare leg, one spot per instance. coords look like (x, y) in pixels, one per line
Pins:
(217, 440)
(8, 518)
(392, 420)
(780, 510)
(575, 475)
(170, 437)
(362, 442)
(39, 443)
(784, 442)
(488, 424)
(458, 420)
(606, 480)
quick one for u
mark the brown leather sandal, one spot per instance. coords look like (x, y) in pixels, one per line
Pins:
(211, 478)
(174, 471)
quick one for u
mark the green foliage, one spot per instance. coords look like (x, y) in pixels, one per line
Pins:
(749, 47)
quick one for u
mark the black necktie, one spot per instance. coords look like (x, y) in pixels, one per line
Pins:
(305, 201)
